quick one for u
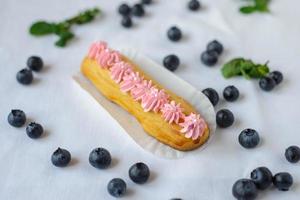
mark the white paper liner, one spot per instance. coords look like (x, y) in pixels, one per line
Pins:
(168, 80)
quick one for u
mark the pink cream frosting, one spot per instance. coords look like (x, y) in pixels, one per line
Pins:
(96, 48)
(154, 99)
(151, 98)
(172, 112)
(141, 89)
(193, 126)
(130, 81)
(119, 70)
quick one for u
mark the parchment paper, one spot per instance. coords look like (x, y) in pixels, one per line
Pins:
(169, 81)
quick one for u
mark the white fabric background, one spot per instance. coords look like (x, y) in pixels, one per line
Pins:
(73, 120)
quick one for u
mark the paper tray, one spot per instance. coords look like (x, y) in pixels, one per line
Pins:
(168, 80)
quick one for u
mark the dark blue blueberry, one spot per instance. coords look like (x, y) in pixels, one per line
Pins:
(174, 33)
(244, 189)
(283, 181)
(276, 76)
(225, 118)
(35, 63)
(124, 9)
(16, 118)
(116, 187)
(212, 95)
(126, 22)
(194, 5)
(138, 10)
(61, 157)
(146, 2)
(25, 76)
(34, 130)
(292, 154)
(171, 62)
(262, 177)
(209, 58)
(139, 173)
(249, 138)
(231, 93)
(100, 158)
(215, 46)
(267, 83)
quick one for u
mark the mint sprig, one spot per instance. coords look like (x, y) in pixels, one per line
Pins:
(245, 68)
(256, 6)
(63, 29)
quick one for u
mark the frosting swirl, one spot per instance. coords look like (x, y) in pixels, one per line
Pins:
(130, 81)
(140, 90)
(119, 70)
(96, 48)
(172, 112)
(193, 126)
(154, 99)
(106, 58)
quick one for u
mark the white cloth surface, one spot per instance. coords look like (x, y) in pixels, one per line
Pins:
(74, 120)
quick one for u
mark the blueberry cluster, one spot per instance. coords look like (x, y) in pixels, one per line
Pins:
(137, 10)
(224, 117)
(269, 82)
(213, 50)
(261, 179)
(25, 76)
(17, 118)
(100, 158)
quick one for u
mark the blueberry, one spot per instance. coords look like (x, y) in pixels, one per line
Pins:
(139, 173)
(146, 1)
(126, 22)
(283, 181)
(267, 83)
(262, 177)
(292, 154)
(124, 9)
(174, 33)
(249, 138)
(276, 76)
(138, 10)
(209, 58)
(244, 189)
(34, 130)
(171, 62)
(100, 158)
(35, 63)
(25, 76)
(193, 5)
(231, 93)
(224, 118)
(16, 118)
(212, 95)
(215, 46)
(116, 187)
(61, 157)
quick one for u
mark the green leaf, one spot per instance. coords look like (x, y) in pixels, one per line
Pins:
(232, 68)
(247, 9)
(64, 38)
(262, 5)
(41, 28)
(246, 68)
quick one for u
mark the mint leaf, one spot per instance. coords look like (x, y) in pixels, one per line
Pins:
(255, 6)
(246, 68)
(262, 5)
(247, 9)
(62, 29)
(41, 28)
(232, 68)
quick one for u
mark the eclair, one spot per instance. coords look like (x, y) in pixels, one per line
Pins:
(163, 115)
